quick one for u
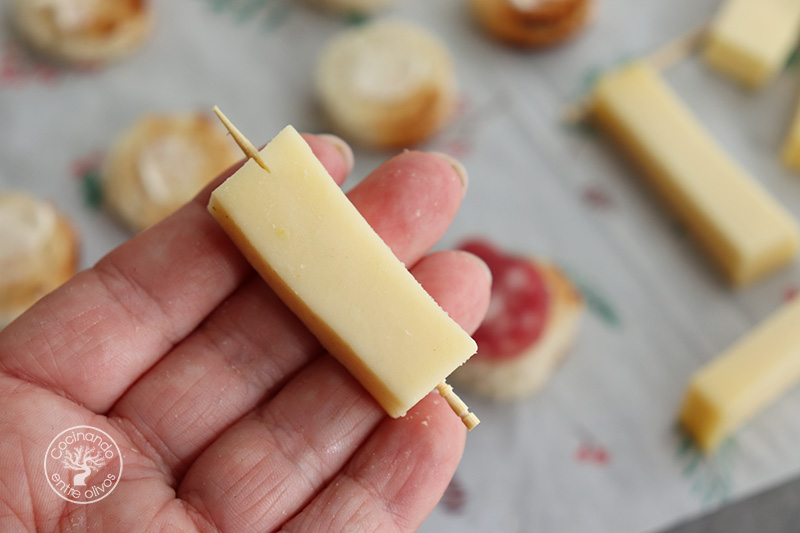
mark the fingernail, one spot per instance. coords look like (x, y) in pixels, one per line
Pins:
(457, 166)
(481, 262)
(343, 147)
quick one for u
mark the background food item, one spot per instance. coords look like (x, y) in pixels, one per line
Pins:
(532, 22)
(354, 6)
(750, 40)
(38, 252)
(84, 31)
(387, 84)
(625, 392)
(747, 377)
(160, 163)
(742, 228)
(790, 152)
(531, 323)
(301, 233)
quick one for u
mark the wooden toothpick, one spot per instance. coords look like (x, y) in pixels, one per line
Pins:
(457, 405)
(661, 59)
(677, 49)
(246, 146)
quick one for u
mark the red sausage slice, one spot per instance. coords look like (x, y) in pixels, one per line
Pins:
(518, 307)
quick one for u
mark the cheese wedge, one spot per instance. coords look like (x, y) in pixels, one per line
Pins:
(731, 389)
(750, 40)
(305, 238)
(745, 232)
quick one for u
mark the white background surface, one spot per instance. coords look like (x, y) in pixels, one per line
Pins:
(598, 449)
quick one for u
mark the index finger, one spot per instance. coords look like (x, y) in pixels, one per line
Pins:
(119, 317)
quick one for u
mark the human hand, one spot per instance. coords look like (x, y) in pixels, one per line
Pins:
(227, 412)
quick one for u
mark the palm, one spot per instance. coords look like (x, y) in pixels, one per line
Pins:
(226, 411)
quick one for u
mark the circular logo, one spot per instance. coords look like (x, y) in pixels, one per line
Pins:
(83, 464)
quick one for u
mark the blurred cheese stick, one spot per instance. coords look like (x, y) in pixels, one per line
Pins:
(386, 84)
(728, 391)
(750, 40)
(745, 232)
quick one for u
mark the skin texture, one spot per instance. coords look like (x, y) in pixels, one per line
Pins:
(228, 414)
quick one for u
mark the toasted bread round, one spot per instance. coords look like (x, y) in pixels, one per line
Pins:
(387, 84)
(513, 378)
(532, 23)
(162, 162)
(83, 31)
(38, 252)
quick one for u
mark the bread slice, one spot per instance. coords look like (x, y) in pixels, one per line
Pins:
(83, 31)
(532, 23)
(387, 84)
(160, 163)
(512, 378)
(39, 251)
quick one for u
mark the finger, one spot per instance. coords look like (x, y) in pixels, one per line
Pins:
(395, 479)
(276, 459)
(96, 335)
(251, 344)
(404, 219)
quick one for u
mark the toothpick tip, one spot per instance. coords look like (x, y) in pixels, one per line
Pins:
(457, 405)
(244, 144)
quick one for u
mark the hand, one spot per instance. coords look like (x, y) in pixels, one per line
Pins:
(227, 413)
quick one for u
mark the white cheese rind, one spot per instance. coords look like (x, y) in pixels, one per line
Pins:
(302, 234)
(743, 229)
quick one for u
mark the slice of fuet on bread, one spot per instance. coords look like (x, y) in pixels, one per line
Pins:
(508, 378)
(39, 250)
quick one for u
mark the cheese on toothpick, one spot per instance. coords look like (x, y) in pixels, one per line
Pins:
(316, 251)
(728, 391)
(742, 228)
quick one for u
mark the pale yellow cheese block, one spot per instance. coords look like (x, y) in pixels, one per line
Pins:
(305, 238)
(790, 152)
(731, 389)
(750, 40)
(744, 230)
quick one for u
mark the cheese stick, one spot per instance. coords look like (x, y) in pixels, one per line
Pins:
(305, 238)
(750, 40)
(743, 229)
(728, 391)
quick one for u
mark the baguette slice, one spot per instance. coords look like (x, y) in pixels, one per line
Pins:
(532, 23)
(38, 252)
(84, 31)
(387, 84)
